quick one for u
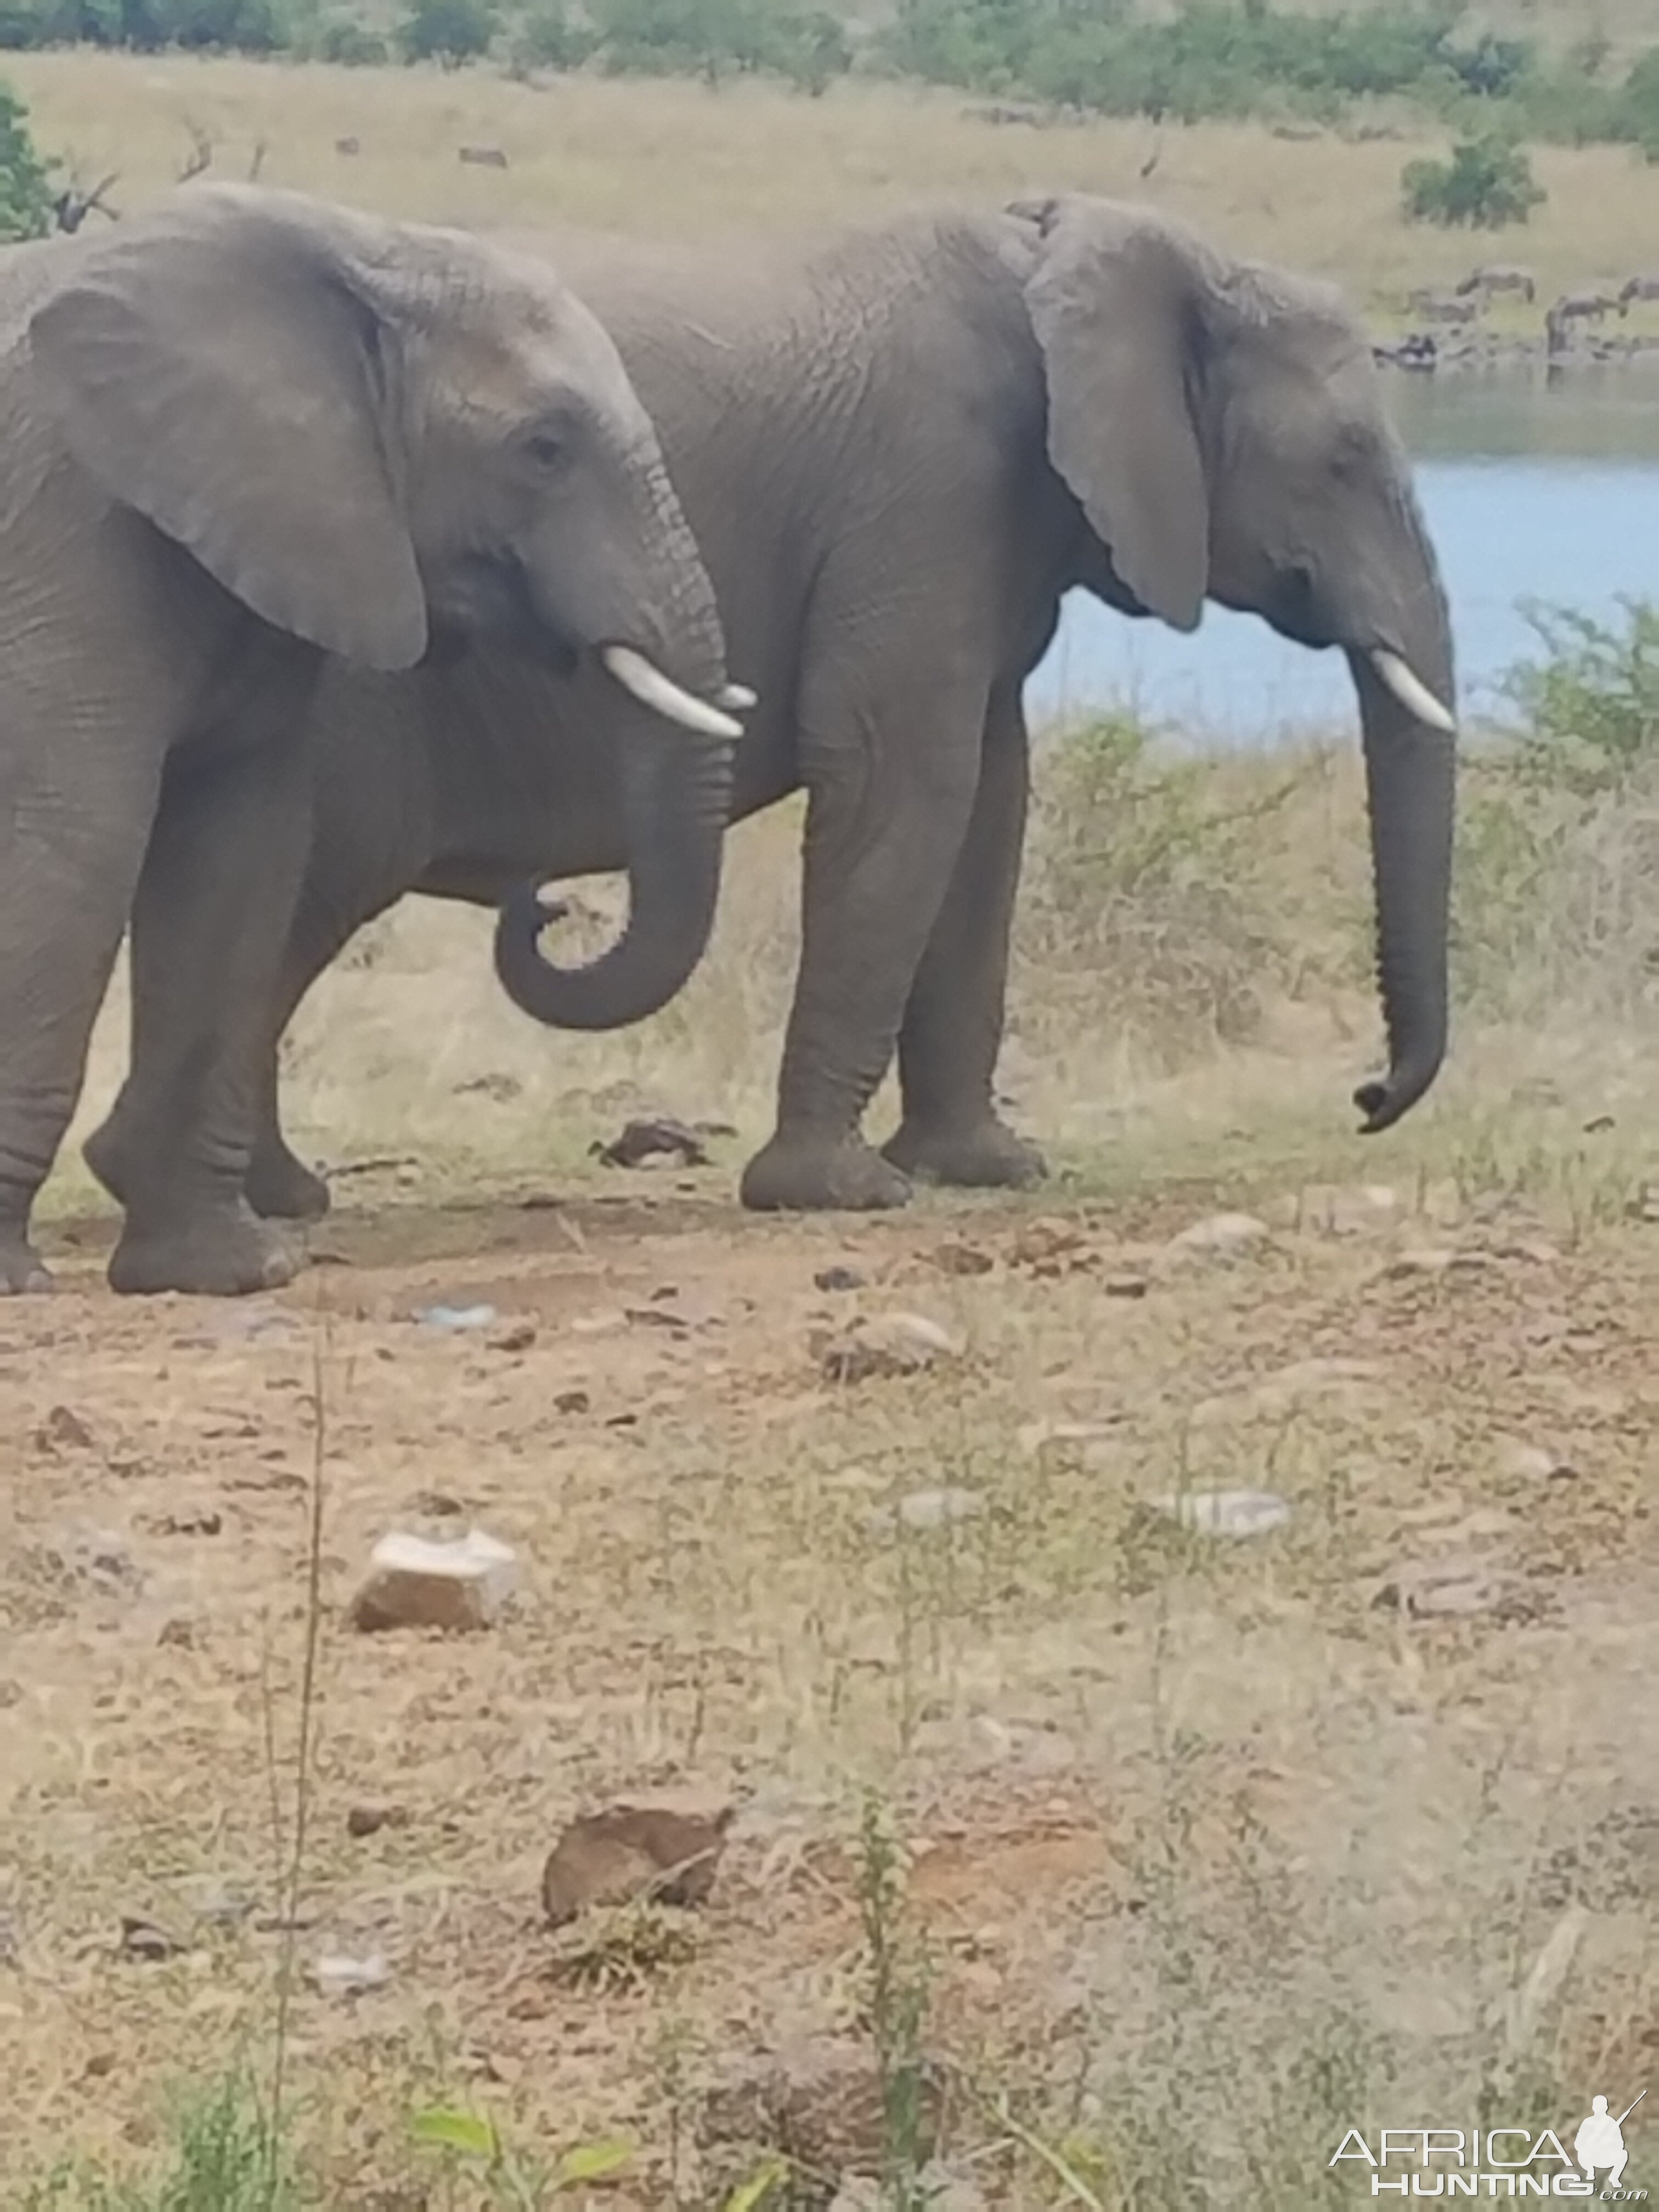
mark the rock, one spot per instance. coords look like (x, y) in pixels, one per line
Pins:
(628, 1853)
(839, 1278)
(1226, 1512)
(142, 1939)
(1453, 1588)
(435, 1505)
(571, 1402)
(1088, 1441)
(927, 1509)
(518, 1336)
(414, 1583)
(193, 1521)
(456, 1318)
(1525, 1462)
(1433, 1260)
(368, 1820)
(886, 1344)
(1644, 1206)
(336, 1975)
(1217, 1236)
(959, 1258)
(63, 1430)
(652, 1139)
(819, 2101)
(1126, 1285)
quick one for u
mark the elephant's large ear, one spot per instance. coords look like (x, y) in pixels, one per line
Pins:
(1112, 301)
(216, 365)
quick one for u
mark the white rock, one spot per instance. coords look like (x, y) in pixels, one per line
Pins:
(1219, 1235)
(414, 1582)
(1226, 1512)
(1528, 1462)
(337, 1976)
(886, 1344)
(928, 1509)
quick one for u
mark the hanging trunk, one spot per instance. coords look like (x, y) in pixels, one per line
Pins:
(676, 796)
(1410, 773)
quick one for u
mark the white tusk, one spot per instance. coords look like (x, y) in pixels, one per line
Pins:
(664, 696)
(1413, 693)
(739, 698)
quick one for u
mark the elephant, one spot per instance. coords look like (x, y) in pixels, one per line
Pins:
(1436, 307)
(899, 447)
(245, 432)
(1637, 288)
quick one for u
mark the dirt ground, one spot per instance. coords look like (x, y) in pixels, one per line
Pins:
(1222, 1842)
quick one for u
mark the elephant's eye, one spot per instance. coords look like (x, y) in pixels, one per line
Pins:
(545, 449)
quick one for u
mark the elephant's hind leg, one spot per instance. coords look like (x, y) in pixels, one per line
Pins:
(950, 1131)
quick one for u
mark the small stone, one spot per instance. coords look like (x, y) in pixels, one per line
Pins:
(887, 1344)
(959, 1258)
(1226, 1512)
(630, 1853)
(414, 1583)
(1452, 1589)
(643, 1140)
(927, 1509)
(192, 1520)
(176, 1635)
(1525, 1462)
(600, 1323)
(456, 1318)
(222, 1904)
(1080, 1439)
(571, 1402)
(63, 1430)
(1219, 1235)
(519, 1336)
(839, 1278)
(368, 1820)
(435, 1505)
(1644, 1206)
(337, 1976)
(143, 1940)
(1126, 1285)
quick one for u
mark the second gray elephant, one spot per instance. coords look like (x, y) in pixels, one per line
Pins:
(898, 451)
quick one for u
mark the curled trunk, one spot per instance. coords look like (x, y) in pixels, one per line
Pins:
(676, 800)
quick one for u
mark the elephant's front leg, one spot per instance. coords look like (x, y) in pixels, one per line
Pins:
(890, 760)
(952, 1027)
(209, 925)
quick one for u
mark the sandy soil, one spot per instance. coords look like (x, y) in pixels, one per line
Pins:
(1194, 1821)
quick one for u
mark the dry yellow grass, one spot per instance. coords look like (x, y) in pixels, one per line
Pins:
(676, 159)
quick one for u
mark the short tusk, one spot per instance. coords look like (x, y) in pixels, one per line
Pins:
(652, 688)
(1411, 692)
(738, 697)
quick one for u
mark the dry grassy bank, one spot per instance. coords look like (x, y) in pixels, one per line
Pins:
(676, 159)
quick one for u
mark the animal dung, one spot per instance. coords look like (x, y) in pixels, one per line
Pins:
(632, 1854)
(414, 1582)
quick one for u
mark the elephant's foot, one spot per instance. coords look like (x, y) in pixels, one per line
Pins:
(21, 1274)
(218, 1251)
(280, 1185)
(985, 1155)
(802, 1174)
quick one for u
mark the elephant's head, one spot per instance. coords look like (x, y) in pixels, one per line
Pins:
(1222, 426)
(377, 434)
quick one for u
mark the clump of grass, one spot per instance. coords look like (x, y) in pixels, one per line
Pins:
(226, 2152)
(897, 2011)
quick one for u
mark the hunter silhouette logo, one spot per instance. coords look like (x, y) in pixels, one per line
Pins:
(1518, 2161)
(1601, 2140)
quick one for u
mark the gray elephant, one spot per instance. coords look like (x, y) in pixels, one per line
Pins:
(898, 451)
(246, 430)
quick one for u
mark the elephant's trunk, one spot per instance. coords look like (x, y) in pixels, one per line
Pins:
(676, 796)
(1411, 775)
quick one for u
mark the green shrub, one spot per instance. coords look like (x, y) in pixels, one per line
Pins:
(342, 40)
(550, 35)
(25, 193)
(448, 30)
(1487, 184)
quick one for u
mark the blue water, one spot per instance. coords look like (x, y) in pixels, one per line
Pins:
(1529, 493)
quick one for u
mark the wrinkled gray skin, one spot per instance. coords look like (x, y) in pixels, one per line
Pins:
(897, 454)
(247, 428)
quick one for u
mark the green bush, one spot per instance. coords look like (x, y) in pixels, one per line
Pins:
(25, 193)
(550, 35)
(448, 30)
(1487, 184)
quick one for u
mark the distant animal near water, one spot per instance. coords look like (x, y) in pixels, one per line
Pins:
(1439, 307)
(1637, 288)
(1493, 277)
